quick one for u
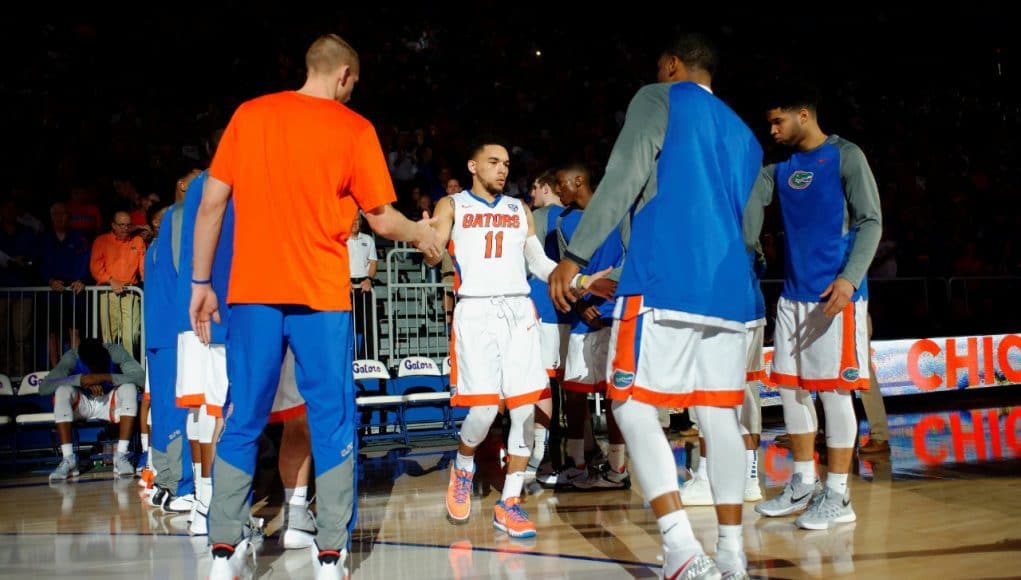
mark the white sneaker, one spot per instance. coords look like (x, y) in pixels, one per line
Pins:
(300, 529)
(696, 491)
(180, 504)
(233, 562)
(752, 491)
(199, 525)
(697, 567)
(66, 469)
(329, 565)
(122, 466)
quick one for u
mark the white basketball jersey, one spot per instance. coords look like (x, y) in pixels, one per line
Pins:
(487, 244)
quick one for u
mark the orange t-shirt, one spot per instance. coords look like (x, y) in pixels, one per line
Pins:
(300, 167)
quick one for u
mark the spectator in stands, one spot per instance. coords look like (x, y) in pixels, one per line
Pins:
(361, 249)
(64, 265)
(118, 258)
(453, 186)
(95, 382)
(17, 251)
(85, 216)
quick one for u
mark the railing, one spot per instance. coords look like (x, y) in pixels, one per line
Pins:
(415, 322)
(38, 324)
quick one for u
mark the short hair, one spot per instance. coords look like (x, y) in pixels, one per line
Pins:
(578, 167)
(695, 50)
(479, 144)
(328, 53)
(92, 352)
(794, 96)
(548, 178)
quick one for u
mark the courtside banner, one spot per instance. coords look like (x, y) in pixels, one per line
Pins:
(926, 365)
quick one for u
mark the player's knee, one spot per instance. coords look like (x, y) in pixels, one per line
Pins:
(476, 424)
(64, 393)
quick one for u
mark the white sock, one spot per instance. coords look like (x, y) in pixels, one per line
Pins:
(837, 482)
(148, 461)
(204, 490)
(465, 462)
(538, 449)
(512, 485)
(751, 463)
(677, 533)
(122, 446)
(730, 550)
(730, 539)
(296, 495)
(616, 455)
(196, 470)
(576, 451)
(702, 471)
(145, 442)
(807, 471)
(67, 450)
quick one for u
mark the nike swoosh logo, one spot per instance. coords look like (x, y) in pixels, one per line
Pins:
(847, 502)
(677, 574)
(797, 499)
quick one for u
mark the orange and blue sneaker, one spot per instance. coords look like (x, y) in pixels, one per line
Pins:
(459, 503)
(509, 517)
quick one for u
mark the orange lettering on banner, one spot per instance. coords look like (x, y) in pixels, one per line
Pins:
(1003, 357)
(930, 423)
(960, 438)
(926, 383)
(1012, 429)
(994, 433)
(955, 361)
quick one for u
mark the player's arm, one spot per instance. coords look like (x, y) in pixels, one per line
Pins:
(204, 307)
(441, 223)
(541, 266)
(390, 223)
(755, 210)
(61, 374)
(865, 217)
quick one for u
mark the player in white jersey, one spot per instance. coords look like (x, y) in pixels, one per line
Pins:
(495, 354)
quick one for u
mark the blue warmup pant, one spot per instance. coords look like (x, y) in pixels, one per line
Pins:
(171, 451)
(322, 343)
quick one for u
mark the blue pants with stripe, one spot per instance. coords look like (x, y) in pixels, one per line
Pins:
(168, 424)
(322, 343)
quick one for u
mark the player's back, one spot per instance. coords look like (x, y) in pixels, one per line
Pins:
(686, 250)
(487, 245)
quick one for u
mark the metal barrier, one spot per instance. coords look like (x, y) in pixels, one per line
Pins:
(415, 323)
(38, 324)
(365, 323)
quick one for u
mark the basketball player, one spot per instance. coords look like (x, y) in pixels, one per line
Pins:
(588, 345)
(203, 369)
(554, 326)
(298, 164)
(830, 207)
(495, 353)
(685, 294)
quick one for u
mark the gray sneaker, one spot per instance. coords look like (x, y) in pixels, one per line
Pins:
(67, 469)
(605, 479)
(829, 508)
(700, 567)
(794, 498)
(122, 465)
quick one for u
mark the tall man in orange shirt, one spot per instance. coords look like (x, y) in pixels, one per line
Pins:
(303, 163)
(118, 260)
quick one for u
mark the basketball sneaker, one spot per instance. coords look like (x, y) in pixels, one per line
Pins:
(459, 503)
(122, 466)
(605, 479)
(794, 498)
(233, 562)
(826, 509)
(300, 531)
(698, 567)
(509, 517)
(66, 469)
(696, 491)
(329, 564)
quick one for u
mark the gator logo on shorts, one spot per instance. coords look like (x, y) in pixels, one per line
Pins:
(623, 379)
(800, 179)
(850, 374)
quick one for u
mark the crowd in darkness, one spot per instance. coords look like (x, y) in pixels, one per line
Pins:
(110, 110)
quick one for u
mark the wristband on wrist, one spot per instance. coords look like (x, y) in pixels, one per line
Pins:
(202, 282)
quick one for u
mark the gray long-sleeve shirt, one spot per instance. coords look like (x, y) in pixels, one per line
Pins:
(131, 371)
(826, 208)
